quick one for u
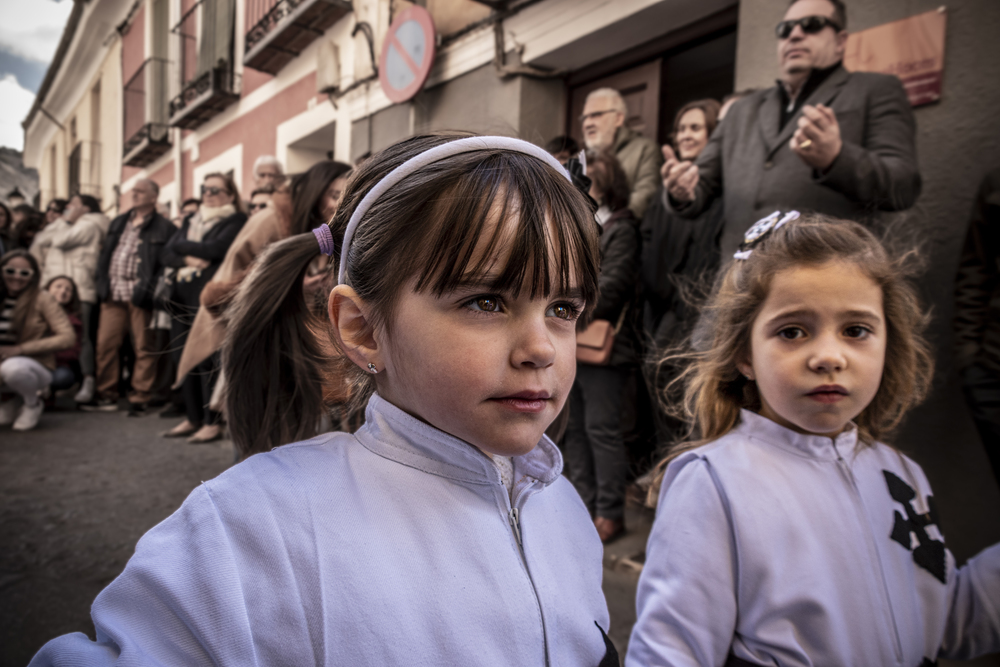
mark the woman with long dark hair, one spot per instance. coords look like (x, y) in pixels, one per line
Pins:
(314, 194)
(196, 252)
(596, 457)
(679, 257)
(67, 372)
(33, 327)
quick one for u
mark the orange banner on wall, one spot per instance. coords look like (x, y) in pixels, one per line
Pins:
(911, 48)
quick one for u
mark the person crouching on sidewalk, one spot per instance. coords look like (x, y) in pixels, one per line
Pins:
(33, 327)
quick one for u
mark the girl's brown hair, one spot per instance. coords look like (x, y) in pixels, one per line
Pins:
(279, 355)
(230, 189)
(73, 307)
(26, 299)
(714, 389)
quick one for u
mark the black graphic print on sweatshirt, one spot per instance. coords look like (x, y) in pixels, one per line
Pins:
(929, 553)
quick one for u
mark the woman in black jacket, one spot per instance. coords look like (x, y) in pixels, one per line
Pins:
(195, 253)
(680, 258)
(596, 459)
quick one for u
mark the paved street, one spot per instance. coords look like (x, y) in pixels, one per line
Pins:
(76, 494)
(79, 491)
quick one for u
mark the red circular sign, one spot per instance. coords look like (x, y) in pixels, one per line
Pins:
(407, 54)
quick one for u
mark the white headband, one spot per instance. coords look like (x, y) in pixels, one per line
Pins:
(416, 162)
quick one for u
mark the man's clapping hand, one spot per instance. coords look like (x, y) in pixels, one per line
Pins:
(817, 139)
(680, 177)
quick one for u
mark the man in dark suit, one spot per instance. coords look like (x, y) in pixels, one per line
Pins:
(823, 139)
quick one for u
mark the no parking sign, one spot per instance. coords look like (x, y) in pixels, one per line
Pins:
(407, 54)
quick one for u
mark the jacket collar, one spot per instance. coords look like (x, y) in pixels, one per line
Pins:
(769, 118)
(146, 221)
(754, 426)
(393, 434)
(623, 135)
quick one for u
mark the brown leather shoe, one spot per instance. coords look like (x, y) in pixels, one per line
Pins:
(609, 529)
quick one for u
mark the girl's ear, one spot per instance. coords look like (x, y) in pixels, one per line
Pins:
(745, 368)
(352, 328)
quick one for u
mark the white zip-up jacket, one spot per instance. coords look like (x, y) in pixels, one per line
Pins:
(394, 546)
(779, 548)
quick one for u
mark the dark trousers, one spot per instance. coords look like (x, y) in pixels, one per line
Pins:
(66, 375)
(596, 461)
(166, 370)
(197, 390)
(669, 429)
(200, 381)
(982, 392)
(89, 317)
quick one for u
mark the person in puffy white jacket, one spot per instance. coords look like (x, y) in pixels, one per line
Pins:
(73, 251)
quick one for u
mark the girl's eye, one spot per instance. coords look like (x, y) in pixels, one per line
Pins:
(564, 311)
(486, 304)
(857, 331)
(791, 333)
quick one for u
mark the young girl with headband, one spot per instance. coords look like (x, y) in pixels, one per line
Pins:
(789, 534)
(441, 533)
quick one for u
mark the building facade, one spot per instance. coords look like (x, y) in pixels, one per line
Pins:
(176, 89)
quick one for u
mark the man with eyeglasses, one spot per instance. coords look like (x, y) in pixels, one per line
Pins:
(823, 139)
(127, 270)
(604, 129)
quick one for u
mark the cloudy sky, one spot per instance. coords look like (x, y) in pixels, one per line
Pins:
(29, 34)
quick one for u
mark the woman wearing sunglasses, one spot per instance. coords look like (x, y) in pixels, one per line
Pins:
(196, 251)
(33, 327)
(310, 200)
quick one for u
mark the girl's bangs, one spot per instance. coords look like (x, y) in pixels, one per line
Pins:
(512, 224)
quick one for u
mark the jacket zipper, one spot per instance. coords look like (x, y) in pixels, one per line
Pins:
(846, 473)
(514, 518)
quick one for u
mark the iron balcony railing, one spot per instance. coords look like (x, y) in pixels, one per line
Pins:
(279, 30)
(146, 134)
(208, 82)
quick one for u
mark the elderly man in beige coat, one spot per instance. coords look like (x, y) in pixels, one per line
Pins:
(604, 130)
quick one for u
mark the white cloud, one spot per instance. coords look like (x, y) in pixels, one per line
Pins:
(17, 104)
(32, 28)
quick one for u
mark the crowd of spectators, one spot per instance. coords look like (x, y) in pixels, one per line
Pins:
(104, 310)
(82, 293)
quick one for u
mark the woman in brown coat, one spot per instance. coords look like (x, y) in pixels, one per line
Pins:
(312, 200)
(33, 327)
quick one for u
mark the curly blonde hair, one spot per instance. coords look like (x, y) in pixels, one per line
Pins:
(714, 391)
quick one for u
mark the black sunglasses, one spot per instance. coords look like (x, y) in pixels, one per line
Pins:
(256, 207)
(23, 273)
(212, 190)
(810, 25)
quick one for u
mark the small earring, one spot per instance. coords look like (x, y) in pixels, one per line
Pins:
(372, 368)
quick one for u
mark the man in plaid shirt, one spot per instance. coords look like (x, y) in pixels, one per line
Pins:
(126, 277)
